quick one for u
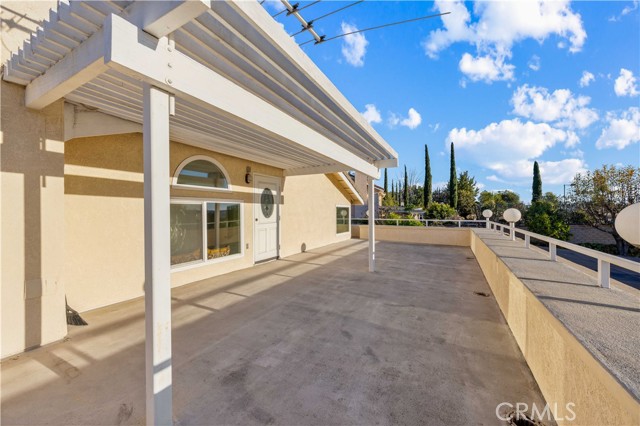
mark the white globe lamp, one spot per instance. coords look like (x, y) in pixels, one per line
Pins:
(487, 214)
(628, 224)
(512, 216)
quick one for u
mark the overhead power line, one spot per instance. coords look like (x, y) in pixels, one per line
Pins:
(296, 8)
(311, 22)
(323, 39)
(293, 11)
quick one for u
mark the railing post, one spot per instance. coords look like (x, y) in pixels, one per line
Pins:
(604, 274)
(552, 252)
(527, 241)
(459, 223)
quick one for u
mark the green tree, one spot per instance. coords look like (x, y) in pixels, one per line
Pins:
(467, 194)
(551, 198)
(386, 182)
(542, 217)
(499, 201)
(600, 195)
(428, 195)
(453, 181)
(405, 189)
(441, 195)
(440, 211)
(536, 189)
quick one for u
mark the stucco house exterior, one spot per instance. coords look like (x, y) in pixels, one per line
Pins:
(361, 185)
(147, 145)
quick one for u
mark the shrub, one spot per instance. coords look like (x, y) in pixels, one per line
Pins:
(404, 222)
(440, 211)
(543, 218)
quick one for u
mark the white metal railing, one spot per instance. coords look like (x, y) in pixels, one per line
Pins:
(605, 260)
(423, 222)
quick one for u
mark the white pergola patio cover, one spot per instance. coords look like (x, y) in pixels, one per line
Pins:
(221, 75)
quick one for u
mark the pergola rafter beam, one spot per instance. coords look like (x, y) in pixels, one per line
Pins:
(152, 60)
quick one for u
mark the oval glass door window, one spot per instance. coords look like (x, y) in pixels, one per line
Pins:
(266, 202)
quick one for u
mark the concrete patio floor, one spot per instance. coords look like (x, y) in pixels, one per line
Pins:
(313, 339)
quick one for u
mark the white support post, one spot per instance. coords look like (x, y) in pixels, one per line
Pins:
(552, 252)
(157, 248)
(604, 274)
(512, 228)
(372, 226)
(527, 241)
(488, 224)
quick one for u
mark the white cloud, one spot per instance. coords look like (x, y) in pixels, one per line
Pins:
(434, 127)
(485, 68)
(393, 119)
(371, 114)
(626, 84)
(560, 107)
(354, 46)
(552, 172)
(625, 11)
(413, 120)
(534, 63)
(274, 5)
(622, 130)
(586, 79)
(497, 27)
(508, 148)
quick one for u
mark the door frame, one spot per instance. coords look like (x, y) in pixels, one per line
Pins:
(277, 180)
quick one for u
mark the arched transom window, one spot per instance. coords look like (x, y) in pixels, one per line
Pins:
(201, 172)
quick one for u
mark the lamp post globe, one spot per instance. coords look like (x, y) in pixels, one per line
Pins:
(628, 224)
(512, 216)
(487, 214)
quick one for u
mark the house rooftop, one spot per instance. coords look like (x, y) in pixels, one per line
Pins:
(311, 339)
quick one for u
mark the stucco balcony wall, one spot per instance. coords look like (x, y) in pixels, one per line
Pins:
(433, 235)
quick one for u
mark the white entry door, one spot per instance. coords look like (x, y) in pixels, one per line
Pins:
(266, 213)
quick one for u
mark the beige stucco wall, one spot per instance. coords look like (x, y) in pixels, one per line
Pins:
(564, 370)
(416, 235)
(31, 201)
(104, 223)
(32, 212)
(309, 213)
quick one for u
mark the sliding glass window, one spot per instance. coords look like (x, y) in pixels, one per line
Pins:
(202, 231)
(223, 229)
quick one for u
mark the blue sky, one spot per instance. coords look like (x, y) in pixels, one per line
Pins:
(509, 82)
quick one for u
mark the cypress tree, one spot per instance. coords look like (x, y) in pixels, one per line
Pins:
(386, 188)
(405, 194)
(393, 191)
(537, 183)
(428, 196)
(453, 181)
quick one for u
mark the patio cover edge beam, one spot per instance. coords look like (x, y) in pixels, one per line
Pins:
(136, 53)
(160, 18)
(80, 66)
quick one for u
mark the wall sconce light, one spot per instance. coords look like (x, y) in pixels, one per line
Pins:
(248, 178)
